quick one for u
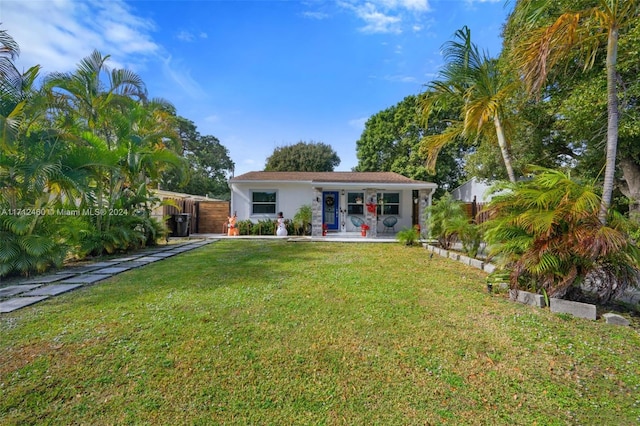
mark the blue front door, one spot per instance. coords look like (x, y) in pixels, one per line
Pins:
(330, 210)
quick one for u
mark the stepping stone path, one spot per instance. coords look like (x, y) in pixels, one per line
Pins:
(35, 289)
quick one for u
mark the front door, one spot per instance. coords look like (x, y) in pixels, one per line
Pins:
(330, 210)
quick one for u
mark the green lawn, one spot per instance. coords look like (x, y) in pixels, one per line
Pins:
(270, 332)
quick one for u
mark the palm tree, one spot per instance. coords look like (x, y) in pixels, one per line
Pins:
(33, 179)
(474, 82)
(9, 50)
(89, 103)
(544, 47)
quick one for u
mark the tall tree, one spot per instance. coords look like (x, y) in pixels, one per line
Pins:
(33, 178)
(474, 82)
(209, 164)
(303, 157)
(546, 44)
(121, 141)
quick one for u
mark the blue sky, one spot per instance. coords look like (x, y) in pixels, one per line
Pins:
(260, 74)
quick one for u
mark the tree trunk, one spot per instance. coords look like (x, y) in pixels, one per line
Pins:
(612, 126)
(504, 149)
(631, 186)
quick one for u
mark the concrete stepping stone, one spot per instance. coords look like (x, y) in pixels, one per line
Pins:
(52, 290)
(46, 279)
(149, 259)
(101, 264)
(123, 259)
(17, 289)
(162, 255)
(19, 302)
(86, 279)
(82, 269)
(180, 250)
(151, 252)
(136, 263)
(113, 269)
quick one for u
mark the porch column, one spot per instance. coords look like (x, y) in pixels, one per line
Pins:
(316, 213)
(370, 196)
(424, 201)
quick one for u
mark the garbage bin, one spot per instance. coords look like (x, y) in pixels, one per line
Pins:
(182, 224)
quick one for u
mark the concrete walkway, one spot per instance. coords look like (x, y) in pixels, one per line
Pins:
(27, 291)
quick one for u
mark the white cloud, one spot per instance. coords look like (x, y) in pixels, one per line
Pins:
(388, 16)
(400, 78)
(182, 77)
(414, 5)
(358, 123)
(471, 4)
(212, 118)
(189, 36)
(185, 36)
(58, 34)
(315, 15)
(375, 20)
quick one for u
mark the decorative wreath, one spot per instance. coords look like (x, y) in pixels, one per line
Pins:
(329, 201)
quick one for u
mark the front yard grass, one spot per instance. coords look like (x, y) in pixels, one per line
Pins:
(270, 332)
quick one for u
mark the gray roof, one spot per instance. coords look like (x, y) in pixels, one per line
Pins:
(329, 177)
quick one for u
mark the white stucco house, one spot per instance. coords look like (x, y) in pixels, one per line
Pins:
(340, 201)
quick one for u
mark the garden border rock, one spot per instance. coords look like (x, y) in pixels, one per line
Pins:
(577, 309)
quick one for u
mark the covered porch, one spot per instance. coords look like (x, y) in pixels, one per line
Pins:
(351, 211)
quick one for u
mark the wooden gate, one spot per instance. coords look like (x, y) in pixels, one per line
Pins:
(212, 216)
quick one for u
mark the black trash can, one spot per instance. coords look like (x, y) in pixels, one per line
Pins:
(182, 224)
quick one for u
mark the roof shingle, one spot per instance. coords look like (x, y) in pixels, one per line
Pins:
(326, 177)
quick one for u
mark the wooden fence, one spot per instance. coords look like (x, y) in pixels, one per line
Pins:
(206, 217)
(475, 211)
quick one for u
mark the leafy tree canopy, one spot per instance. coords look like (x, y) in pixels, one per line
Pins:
(391, 139)
(303, 157)
(209, 164)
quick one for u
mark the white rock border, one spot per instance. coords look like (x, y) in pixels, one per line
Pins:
(577, 309)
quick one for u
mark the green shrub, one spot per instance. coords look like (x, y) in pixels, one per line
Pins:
(244, 227)
(408, 236)
(264, 227)
(301, 224)
(547, 231)
(445, 220)
(471, 237)
(35, 243)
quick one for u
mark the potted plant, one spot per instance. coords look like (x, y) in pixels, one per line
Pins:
(363, 229)
(325, 227)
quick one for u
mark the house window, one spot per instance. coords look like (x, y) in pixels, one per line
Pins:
(355, 203)
(263, 202)
(389, 203)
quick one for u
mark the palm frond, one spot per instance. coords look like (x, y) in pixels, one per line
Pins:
(431, 145)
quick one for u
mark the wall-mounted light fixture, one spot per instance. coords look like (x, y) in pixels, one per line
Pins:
(343, 192)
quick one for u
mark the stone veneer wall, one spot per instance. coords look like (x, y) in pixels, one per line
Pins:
(424, 199)
(370, 195)
(316, 213)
